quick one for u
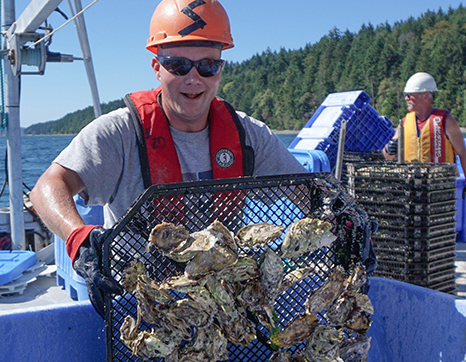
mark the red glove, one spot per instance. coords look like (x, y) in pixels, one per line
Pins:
(76, 239)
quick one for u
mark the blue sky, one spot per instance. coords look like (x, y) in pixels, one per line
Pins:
(118, 30)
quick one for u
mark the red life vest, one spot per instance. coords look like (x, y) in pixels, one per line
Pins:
(230, 157)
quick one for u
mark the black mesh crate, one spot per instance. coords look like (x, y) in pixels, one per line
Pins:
(236, 203)
(369, 192)
(414, 244)
(411, 232)
(407, 255)
(400, 271)
(416, 176)
(412, 270)
(447, 286)
(408, 209)
(356, 157)
(414, 220)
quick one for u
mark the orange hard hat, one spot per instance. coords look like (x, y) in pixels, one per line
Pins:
(176, 21)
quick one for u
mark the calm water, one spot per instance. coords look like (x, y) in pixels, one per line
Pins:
(39, 151)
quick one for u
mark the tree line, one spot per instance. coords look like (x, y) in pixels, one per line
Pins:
(73, 122)
(284, 88)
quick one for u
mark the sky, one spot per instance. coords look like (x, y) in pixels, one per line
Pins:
(118, 31)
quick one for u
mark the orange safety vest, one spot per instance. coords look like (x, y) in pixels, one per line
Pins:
(430, 144)
(230, 157)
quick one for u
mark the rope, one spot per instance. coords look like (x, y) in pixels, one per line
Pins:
(61, 26)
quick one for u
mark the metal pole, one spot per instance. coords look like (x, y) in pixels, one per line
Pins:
(341, 148)
(401, 144)
(86, 52)
(15, 176)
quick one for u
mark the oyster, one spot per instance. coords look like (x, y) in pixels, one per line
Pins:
(323, 297)
(154, 344)
(355, 349)
(294, 277)
(281, 356)
(295, 332)
(222, 297)
(251, 296)
(210, 341)
(182, 283)
(356, 280)
(131, 274)
(146, 306)
(144, 344)
(351, 312)
(204, 299)
(244, 269)
(239, 331)
(167, 236)
(363, 301)
(306, 235)
(170, 321)
(190, 312)
(324, 344)
(258, 235)
(225, 236)
(153, 289)
(340, 311)
(214, 250)
(271, 274)
(129, 329)
(214, 259)
(360, 322)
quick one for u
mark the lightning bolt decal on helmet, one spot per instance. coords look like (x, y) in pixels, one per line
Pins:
(177, 21)
(199, 23)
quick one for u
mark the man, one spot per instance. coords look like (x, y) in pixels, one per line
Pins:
(430, 134)
(178, 132)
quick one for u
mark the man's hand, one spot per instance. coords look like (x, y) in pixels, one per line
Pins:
(88, 265)
(392, 147)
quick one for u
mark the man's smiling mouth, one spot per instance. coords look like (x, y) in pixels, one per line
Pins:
(192, 95)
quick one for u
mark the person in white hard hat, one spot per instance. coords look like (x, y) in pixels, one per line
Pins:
(430, 134)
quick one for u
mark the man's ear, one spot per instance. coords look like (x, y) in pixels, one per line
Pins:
(156, 67)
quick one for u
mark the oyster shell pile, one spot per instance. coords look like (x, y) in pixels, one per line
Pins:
(196, 314)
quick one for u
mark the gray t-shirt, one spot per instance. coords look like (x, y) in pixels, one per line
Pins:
(105, 155)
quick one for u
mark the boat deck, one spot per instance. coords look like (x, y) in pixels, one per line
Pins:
(45, 291)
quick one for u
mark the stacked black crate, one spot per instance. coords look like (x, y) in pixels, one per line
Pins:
(356, 157)
(415, 206)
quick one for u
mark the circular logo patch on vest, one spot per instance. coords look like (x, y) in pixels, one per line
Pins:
(437, 119)
(224, 158)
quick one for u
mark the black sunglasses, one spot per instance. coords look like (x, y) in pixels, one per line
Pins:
(182, 66)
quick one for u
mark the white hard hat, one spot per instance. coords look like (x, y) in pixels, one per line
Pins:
(421, 82)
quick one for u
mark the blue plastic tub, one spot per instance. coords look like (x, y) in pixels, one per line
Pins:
(74, 285)
(410, 324)
(14, 263)
(312, 160)
(71, 332)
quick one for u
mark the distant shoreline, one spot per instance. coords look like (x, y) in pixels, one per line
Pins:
(276, 131)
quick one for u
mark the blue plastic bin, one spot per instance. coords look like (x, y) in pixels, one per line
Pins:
(365, 129)
(312, 160)
(14, 263)
(74, 285)
(356, 99)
